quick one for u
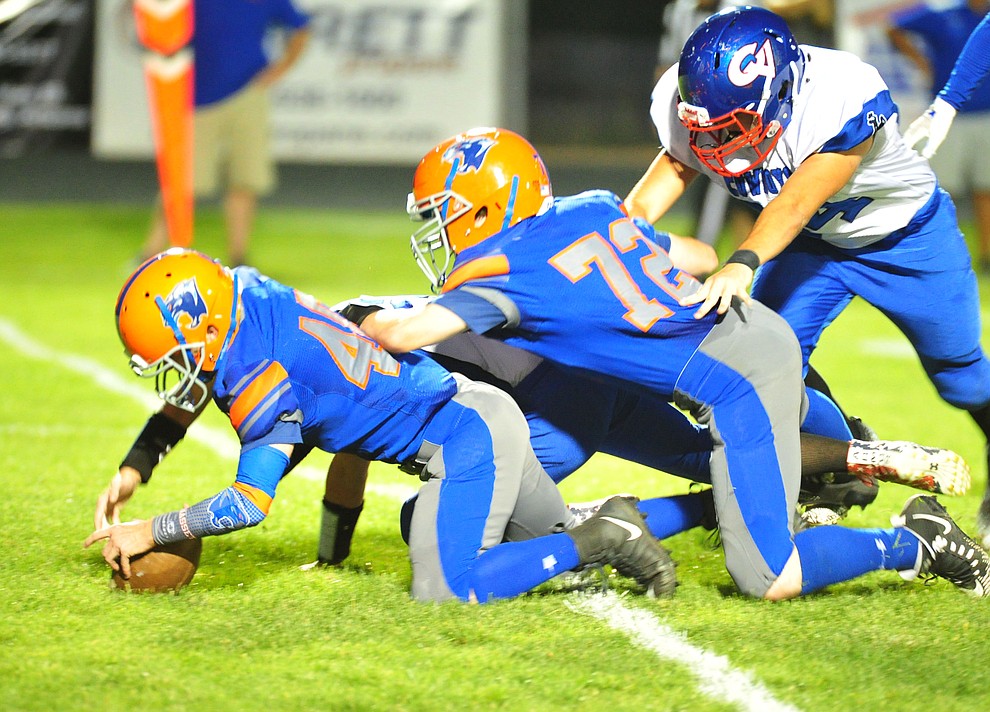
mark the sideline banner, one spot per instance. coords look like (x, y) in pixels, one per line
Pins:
(379, 82)
(45, 55)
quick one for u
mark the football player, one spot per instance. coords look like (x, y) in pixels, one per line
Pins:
(846, 207)
(293, 375)
(576, 281)
(571, 417)
(970, 69)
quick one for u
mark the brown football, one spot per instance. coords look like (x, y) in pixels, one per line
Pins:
(165, 568)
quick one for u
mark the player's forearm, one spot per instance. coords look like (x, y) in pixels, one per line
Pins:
(811, 186)
(774, 230)
(659, 188)
(160, 434)
(225, 512)
(404, 330)
(971, 67)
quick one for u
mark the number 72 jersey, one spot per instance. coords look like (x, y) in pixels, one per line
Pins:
(585, 286)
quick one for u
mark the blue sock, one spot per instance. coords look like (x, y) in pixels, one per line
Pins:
(512, 568)
(824, 417)
(666, 516)
(833, 554)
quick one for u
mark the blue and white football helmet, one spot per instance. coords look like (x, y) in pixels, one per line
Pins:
(737, 77)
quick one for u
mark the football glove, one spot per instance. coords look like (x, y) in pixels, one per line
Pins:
(931, 127)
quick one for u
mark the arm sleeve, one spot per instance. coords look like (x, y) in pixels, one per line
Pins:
(971, 67)
(243, 504)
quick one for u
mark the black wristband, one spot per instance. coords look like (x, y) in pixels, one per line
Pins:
(160, 435)
(356, 313)
(744, 257)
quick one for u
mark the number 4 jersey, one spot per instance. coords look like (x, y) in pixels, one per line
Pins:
(585, 286)
(296, 372)
(841, 102)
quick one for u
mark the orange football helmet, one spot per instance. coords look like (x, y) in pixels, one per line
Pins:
(175, 315)
(470, 187)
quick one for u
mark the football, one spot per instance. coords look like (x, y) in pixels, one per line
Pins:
(166, 568)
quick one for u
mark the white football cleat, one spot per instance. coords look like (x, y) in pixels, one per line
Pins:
(931, 469)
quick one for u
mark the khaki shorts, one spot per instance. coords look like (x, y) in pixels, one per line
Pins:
(962, 162)
(231, 143)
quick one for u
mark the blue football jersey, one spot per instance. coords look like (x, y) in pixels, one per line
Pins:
(585, 286)
(296, 372)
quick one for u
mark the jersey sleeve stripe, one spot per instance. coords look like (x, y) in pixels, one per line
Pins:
(255, 416)
(255, 392)
(477, 269)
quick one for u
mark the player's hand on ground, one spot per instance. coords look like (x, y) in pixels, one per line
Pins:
(123, 541)
(112, 499)
(733, 280)
(930, 129)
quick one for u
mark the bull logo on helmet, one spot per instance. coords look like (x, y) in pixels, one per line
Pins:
(749, 64)
(186, 299)
(468, 154)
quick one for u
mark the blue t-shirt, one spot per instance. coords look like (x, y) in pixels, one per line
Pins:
(229, 42)
(944, 33)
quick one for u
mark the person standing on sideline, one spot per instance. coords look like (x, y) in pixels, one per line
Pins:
(231, 120)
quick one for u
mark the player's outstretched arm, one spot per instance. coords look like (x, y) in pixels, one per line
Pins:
(815, 181)
(402, 330)
(659, 188)
(161, 433)
(236, 507)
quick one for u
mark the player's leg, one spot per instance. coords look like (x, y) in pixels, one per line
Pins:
(754, 420)
(466, 507)
(981, 210)
(900, 282)
(802, 285)
(651, 432)
(745, 382)
(568, 417)
(472, 500)
(251, 169)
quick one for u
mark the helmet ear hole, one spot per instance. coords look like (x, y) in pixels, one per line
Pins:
(481, 216)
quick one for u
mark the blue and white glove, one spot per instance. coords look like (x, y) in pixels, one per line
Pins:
(931, 127)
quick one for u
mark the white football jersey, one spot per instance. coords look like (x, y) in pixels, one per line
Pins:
(841, 102)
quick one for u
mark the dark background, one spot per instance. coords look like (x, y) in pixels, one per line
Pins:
(590, 71)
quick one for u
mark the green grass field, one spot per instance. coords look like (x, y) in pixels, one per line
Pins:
(253, 631)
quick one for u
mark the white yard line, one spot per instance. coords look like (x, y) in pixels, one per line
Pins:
(715, 675)
(221, 440)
